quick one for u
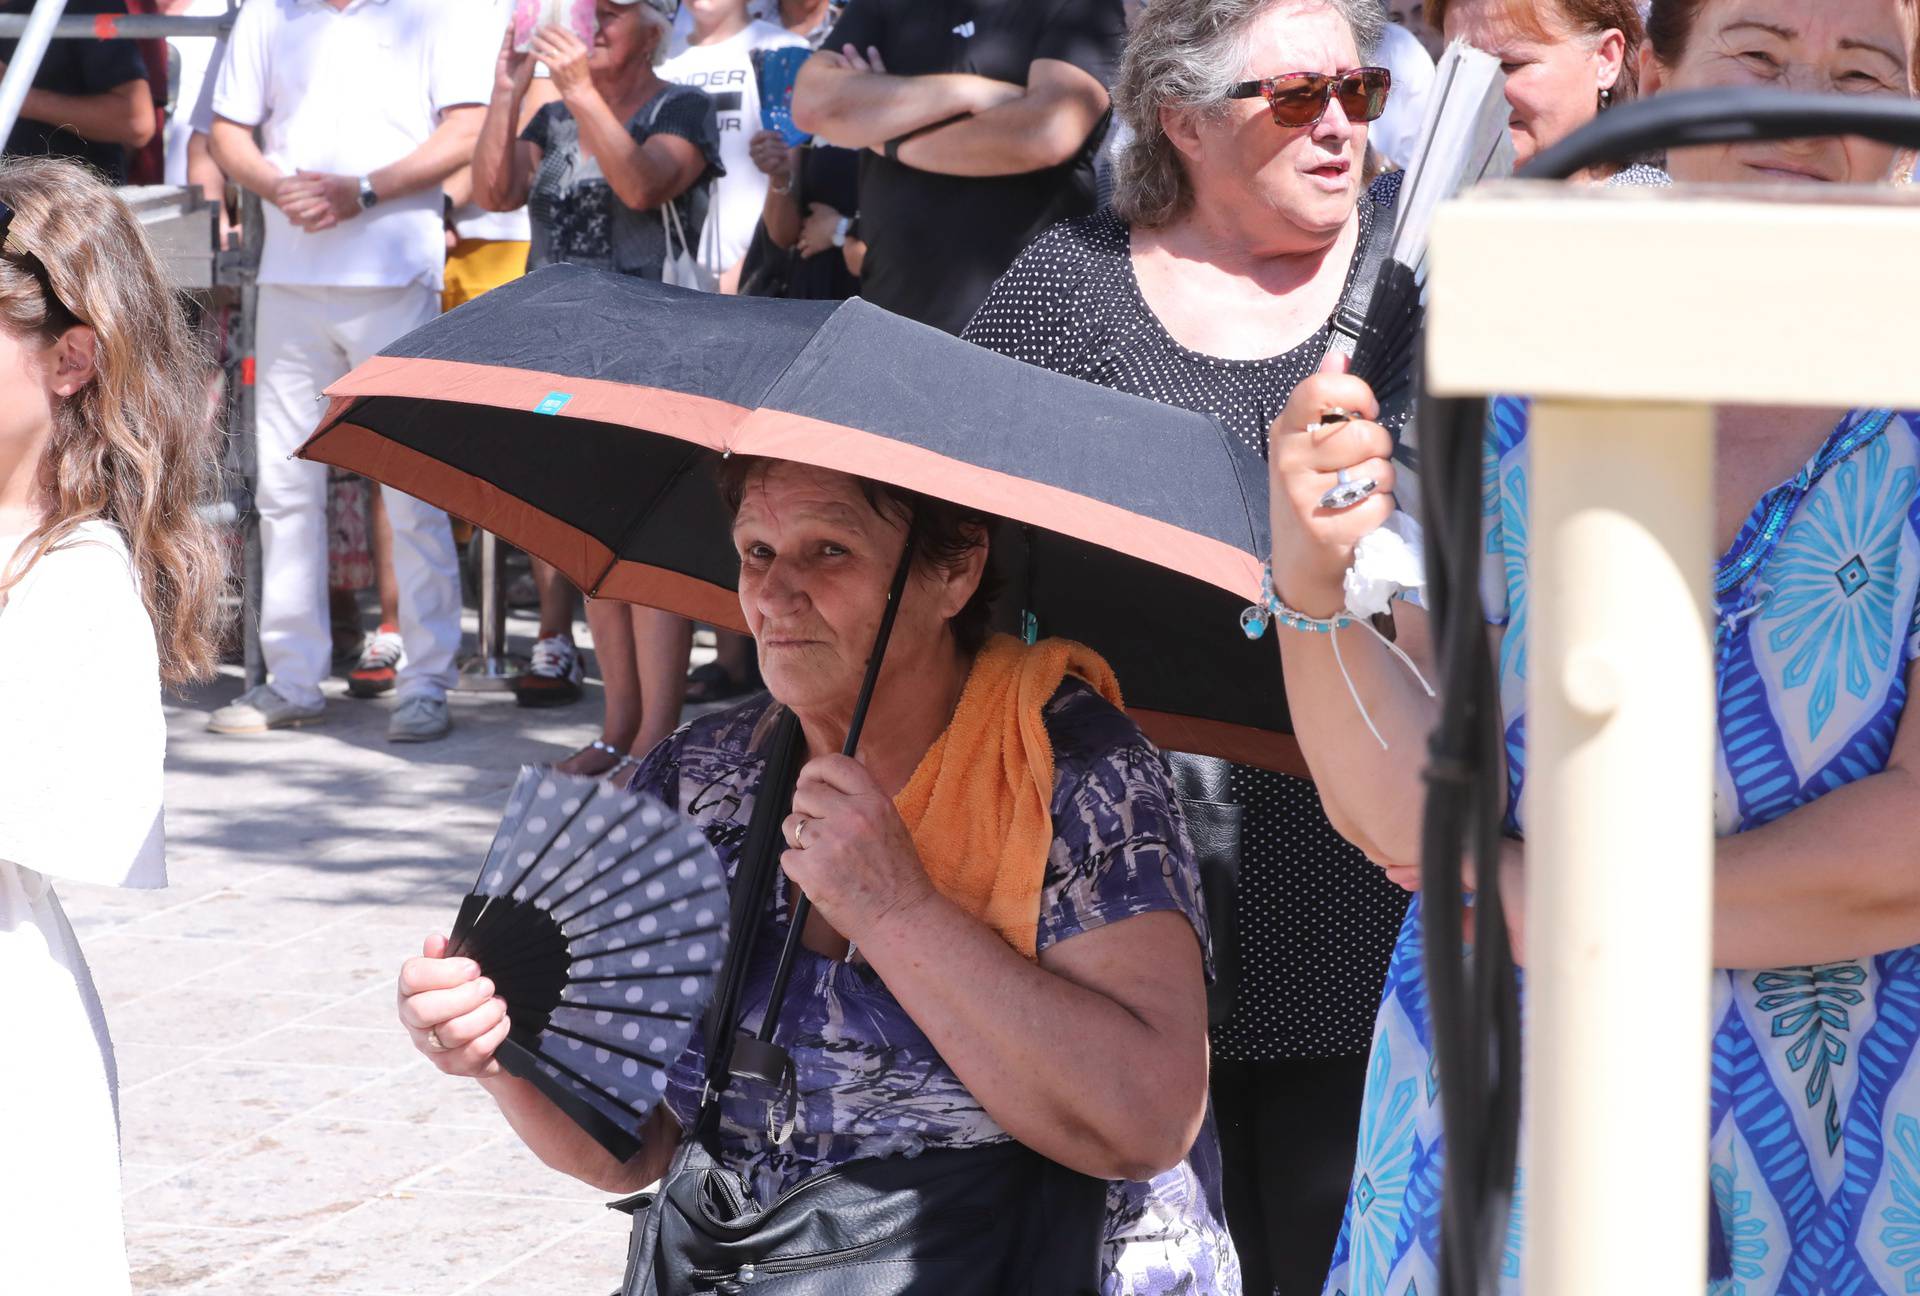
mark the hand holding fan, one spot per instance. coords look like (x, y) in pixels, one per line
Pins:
(775, 70)
(600, 916)
(1465, 140)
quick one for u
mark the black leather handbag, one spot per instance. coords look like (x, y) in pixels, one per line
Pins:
(1214, 828)
(999, 1220)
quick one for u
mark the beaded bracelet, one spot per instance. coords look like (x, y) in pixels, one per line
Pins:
(1254, 620)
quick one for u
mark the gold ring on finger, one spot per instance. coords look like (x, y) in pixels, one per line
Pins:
(800, 833)
(1331, 418)
(433, 1038)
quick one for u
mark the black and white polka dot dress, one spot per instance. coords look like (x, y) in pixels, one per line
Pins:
(1317, 921)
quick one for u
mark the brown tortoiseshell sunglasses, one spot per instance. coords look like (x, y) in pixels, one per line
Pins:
(1300, 98)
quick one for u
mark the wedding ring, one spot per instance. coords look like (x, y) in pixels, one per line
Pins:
(433, 1038)
(1346, 491)
(798, 838)
(1331, 418)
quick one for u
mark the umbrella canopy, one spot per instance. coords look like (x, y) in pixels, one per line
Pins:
(578, 415)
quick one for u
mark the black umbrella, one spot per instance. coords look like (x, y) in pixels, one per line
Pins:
(579, 414)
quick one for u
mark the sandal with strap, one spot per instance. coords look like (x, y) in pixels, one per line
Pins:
(620, 760)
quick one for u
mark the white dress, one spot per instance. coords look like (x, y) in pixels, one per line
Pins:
(82, 738)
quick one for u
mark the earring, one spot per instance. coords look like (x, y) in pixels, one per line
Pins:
(1606, 98)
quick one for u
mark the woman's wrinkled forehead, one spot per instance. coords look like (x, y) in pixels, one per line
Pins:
(784, 494)
(1299, 36)
(1887, 27)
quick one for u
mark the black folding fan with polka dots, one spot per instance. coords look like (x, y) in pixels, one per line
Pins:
(601, 918)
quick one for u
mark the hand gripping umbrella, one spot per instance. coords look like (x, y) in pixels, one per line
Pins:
(578, 414)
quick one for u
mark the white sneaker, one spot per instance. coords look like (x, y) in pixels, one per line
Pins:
(259, 709)
(554, 676)
(419, 719)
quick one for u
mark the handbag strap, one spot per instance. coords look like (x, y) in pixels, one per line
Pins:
(670, 214)
(1350, 317)
(752, 885)
(670, 209)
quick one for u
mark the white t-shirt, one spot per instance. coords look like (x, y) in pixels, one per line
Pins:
(724, 70)
(767, 11)
(195, 55)
(1397, 133)
(348, 92)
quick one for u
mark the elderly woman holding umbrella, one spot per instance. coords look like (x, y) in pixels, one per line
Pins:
(978, 966)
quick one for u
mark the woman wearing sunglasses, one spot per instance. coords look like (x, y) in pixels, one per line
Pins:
(1237, 212)
(106, 452)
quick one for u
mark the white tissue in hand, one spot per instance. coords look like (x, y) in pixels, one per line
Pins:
(1389, 560)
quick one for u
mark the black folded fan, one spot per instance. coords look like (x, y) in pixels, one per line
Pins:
(601, 918)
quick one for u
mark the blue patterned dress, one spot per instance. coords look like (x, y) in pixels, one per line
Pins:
(1816, 1075)
(871, 1084)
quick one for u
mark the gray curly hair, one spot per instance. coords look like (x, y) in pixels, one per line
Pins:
(1187, 54)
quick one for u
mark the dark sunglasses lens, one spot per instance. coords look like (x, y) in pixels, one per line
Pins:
(1363, 96)
(1299, 101)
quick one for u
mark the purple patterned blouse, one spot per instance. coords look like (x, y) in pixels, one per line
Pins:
(870, 1082)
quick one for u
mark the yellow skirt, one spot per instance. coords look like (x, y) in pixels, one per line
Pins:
(476, 266)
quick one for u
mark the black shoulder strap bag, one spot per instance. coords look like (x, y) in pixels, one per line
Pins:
(1000, 1220)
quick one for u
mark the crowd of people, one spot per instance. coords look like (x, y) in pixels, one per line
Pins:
(1166, 198)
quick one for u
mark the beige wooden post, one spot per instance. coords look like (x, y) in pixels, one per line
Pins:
(1628, 315)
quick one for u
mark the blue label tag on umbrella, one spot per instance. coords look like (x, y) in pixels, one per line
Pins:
(554, 403)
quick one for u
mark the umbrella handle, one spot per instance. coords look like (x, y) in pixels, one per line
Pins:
(802, 907)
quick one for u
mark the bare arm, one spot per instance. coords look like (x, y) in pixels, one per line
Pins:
(1096, 1056)
(449, 148)
(781, 165)
(562, 1145)
(318, 200)
(838, 100)
(1838, 878)
(234, 151)
(453, 1017)
(122, 115)
(642, 176)
(203, 171)
(1374, 797)
(1047, 125)
(503, 163)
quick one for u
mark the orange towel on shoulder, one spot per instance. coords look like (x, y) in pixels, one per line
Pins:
(980, 804)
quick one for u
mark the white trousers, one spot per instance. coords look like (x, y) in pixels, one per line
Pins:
(306, 339)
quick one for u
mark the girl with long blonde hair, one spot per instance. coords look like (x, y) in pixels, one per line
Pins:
(109, 587)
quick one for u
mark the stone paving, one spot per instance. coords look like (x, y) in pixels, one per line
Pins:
(280, 1134)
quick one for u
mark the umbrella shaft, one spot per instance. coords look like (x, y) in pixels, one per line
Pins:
(803, 907)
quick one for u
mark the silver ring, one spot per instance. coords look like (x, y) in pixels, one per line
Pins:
(1346, 492)
(433, 1038)
(800, 833)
